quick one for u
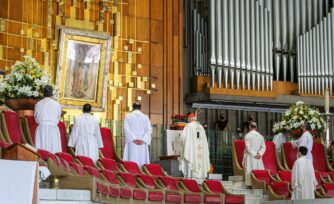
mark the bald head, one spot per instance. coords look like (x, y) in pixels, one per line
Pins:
(252, 126)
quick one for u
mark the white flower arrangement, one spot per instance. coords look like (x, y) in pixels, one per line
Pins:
(297, 115)
(26, 80)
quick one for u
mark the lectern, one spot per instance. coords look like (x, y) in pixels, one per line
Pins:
(24, 153)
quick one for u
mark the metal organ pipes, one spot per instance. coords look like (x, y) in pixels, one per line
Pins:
(213, 59)
(315, 57)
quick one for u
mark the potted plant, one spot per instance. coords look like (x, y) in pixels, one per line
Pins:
(23, 87)
(297, 115)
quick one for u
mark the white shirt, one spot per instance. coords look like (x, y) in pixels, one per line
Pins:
(86, 136)
(305, 140)
(137, 126)
(303, 181)
(47, 114)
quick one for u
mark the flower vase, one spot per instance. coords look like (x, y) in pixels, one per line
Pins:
(22, 106)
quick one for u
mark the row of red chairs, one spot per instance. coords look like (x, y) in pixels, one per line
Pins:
(277, 176)
(125, 180)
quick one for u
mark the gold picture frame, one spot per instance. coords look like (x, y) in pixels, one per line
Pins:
(83, 66)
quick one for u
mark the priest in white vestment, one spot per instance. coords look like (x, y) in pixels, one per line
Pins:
(47, 115)
(194, 160)
(255, 148)
(278, 140)
(303, 181)
(138, 131)
(86, 135)
(305, 140)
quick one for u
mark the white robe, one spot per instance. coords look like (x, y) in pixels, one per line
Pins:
(303, 179)
(137, 126)
(278, 140)
(305, 140)
(47, 114)
(86, 136)
(254, 145)
(194, 161)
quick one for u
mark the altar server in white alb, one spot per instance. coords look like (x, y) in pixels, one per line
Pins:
(47, 115)
(278, 140)
(194, 160)
(138, 131)
(305, 140)
(255, 148)
(303, 181)
(86, 135)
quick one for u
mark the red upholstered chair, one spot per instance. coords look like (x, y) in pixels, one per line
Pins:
(261, 178)
(58, 166)
(270, 159)
(67, 157)
(130, 167)
(327, 190)
(11, 127)
(29, 126)
(154, 170)
(170, 185)
(78, 169)
(320, 161)
(154, 192)
(44, 154)
(4, 144)
(238, 150)
(86, 161)
(114, 189)
(129, 180)
(63, 138)
(289, 155)
(108, 164)
(215, 186)
(285, 176)
(331, 177)
(108, 150)
(279, 190)
(194, 194)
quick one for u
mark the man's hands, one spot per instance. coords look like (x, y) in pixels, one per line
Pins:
(138, 142)
(258, 156)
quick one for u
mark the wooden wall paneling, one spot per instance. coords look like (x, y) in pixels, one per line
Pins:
(4, 8)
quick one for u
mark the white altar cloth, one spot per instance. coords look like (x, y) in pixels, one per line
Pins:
(17, 179)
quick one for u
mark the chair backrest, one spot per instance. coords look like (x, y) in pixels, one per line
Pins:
(149, 181)
(108, 149)
(329, 189)
(191, 185)
(154, 169)
(128, 178)
(319, 157)
(131, 167)
(86, 161)
(67, 157)
(63, 136)
(92, 171)
(108, 164)
(318, 177)
(169, 182)
(110, 176)
(240, 147)
(214, 186)
(269, 157)
(30, 126)
(285, 176)
(78, 168)
(11, 127)
(290, 154)
(262, 175)
(44, 154)
(280, 188)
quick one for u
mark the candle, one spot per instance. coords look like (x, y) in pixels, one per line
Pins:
(327, 101)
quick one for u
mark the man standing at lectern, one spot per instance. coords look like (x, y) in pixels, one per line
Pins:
(194, 160)
(255, 148)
